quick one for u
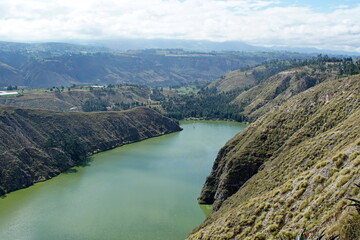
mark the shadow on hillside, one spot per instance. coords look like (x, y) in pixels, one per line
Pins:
(85, 162)
(71, 170)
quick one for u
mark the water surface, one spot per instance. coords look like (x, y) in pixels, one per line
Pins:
(145, 190)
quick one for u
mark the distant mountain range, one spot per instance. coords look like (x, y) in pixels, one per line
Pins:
(202, 45)
(44, 65)
(125, 44)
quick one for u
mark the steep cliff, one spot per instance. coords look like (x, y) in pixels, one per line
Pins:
(36, 145)
(289, 169)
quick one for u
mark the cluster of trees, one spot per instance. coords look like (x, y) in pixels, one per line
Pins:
(157, 95)
(94, 105)
(210, 104)
(348, 67)
(340, 66)
(205, 105)
(59, 89)
(10, 87)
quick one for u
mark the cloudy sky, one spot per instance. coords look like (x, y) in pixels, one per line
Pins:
(326, 24)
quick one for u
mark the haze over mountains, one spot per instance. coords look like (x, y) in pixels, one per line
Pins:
(203, 46)
(289, 69)
(156, 62)
(44, 65)
(125, 44)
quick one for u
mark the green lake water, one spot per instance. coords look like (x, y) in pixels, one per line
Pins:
(141, 191)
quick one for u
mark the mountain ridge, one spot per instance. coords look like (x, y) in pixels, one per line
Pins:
(37, 144)
(44, 65)
(308, 144)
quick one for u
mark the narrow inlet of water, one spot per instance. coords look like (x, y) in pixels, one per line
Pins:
(145, 190)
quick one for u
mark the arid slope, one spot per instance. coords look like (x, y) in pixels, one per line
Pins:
(36, 145)
(290, 169)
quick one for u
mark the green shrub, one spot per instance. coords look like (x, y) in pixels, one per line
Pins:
(321, 164)
(319, 179)
(302, 185)
(339, 159)
(273, 228)
(344, 180)
(260, 236)
(299, 193)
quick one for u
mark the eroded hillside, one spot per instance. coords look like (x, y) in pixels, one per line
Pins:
(36, 145)
(247, 94)
(290, 169)
(277, 89)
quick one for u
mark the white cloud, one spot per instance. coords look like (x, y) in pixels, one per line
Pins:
(260, 22)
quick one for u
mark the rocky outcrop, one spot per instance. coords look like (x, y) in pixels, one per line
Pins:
(289, 169)
(36, 145)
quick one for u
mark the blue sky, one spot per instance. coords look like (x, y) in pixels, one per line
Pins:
(319, 24)
(320, 5)
(317, 5)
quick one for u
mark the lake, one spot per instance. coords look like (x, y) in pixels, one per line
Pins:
(144, 190)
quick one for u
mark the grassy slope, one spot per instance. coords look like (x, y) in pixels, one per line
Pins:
(311, 149)
(36, 144)
(259, 95)
(235, 81)
(277, 89)
(73, 100)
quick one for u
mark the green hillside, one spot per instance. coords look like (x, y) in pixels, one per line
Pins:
(290, 169)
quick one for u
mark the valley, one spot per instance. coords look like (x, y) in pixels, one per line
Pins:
(295, 166)
(140, 190)
(56, 65)
(180, 120)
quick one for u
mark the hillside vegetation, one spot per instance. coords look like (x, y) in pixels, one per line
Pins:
(56, 64)
(292, 168)
(245, 95)
(81, 99)
(36, 145)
